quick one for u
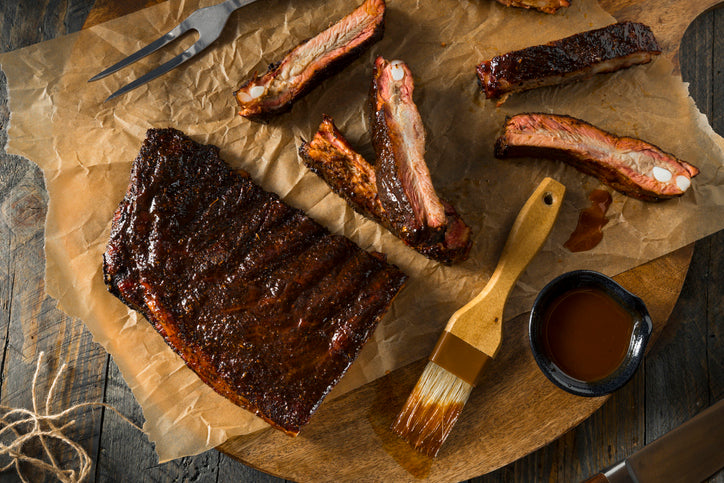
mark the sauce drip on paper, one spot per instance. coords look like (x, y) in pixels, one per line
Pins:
(586, 333)
(588, 232)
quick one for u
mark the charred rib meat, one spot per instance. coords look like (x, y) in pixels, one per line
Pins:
(259, 300)
(397, 191)
(579, 56)
(308, 64)
(628, 165)
(330, 156)
(398, 136)
(545, 6)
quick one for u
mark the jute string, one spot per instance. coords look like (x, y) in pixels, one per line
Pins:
(23, 425)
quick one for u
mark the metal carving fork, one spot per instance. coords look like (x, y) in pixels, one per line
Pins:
(208, 22)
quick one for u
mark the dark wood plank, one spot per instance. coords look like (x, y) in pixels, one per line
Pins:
(231, 470)
(715, 287)
(30, 321)
(26, 22)
(119, 442)
(676, 382)
(696, 60)
(9, 175)
(717, 117)
(126, 451)
(715, 318)
(34, 324)
(712, 313)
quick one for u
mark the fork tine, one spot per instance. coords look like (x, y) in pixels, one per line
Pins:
(162, 41)
(160, 70)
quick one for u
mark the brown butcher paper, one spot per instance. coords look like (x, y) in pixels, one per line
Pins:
(85, 148)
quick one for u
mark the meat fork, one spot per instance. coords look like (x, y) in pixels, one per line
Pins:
(209, 22)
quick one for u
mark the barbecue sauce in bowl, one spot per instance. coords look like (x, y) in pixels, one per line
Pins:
(587, 333)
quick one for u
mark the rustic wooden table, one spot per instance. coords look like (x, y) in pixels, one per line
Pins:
(683, 374)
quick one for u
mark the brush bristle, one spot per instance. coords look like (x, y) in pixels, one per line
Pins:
(432, 409)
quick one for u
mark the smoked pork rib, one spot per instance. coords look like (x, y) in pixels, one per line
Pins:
(330, 156)
(579, 56)
(265, 305)
(628, 165)
(312, 61)
(398, 136)
(545, 6)
(413, 209)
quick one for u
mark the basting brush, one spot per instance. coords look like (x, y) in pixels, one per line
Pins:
(473, 333)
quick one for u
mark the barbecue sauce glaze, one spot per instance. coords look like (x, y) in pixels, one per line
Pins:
(586, 333)
(591, 221)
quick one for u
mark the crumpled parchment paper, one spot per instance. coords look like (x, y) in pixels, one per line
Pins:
(85, 148)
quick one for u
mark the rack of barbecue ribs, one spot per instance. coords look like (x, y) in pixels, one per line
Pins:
(396, 191)
(308, 64)
(263, 303)
(628, 165)
(577, 57)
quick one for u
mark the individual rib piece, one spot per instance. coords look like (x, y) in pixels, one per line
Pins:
(545, 6)
(259, 300)
(579, 56)
(330, 156)
(631, 166)
(312, 61)
(398, 136)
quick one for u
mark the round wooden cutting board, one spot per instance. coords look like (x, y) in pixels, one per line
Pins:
(512, 412)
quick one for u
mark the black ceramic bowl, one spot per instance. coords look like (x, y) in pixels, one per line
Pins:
(640, 333)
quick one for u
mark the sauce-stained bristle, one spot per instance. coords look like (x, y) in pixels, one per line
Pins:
(432, 409)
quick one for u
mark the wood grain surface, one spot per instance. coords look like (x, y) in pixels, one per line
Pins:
(683, 373)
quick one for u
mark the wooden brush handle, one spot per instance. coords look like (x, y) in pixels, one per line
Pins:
(479, 322)
(530, 230)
